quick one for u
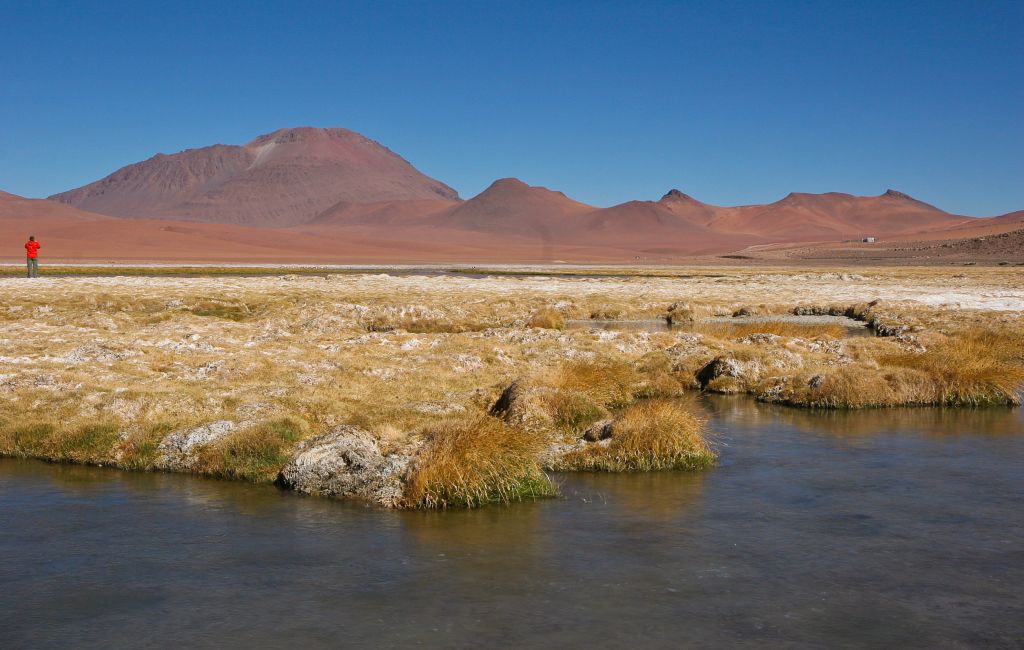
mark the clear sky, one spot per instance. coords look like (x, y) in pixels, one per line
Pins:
(732, 102)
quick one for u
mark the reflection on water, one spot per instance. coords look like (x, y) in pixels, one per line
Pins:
(889, 528)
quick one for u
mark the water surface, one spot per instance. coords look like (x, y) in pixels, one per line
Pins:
(895, 528)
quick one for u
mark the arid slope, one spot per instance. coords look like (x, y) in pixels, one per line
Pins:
(278, 179)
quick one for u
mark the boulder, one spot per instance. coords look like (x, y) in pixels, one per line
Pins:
(346, 462)
(718, 367)
(177, 451)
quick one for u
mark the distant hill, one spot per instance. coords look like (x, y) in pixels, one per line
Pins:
(280, 179)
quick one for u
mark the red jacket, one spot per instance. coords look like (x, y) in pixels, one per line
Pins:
(32, 248)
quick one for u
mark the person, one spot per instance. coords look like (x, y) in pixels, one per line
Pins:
(32, 250)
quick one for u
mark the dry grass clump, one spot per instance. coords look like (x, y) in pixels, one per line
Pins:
(471, 462)
(649, 435)
(659, 377)
(424, 325)
(547, 318)
(971, 369)
(776, 328)
(855, 386)
(584, 392)
(968, 369)
(236, 311)
(253, 454)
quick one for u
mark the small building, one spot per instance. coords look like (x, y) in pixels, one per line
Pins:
(868, 240)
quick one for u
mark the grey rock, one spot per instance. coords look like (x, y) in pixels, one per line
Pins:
(346, 462)
(177, 451)
(716, 368)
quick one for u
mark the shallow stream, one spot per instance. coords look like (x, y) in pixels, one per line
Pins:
(894, 528)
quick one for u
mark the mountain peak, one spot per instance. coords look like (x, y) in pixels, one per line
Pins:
(677, 195)
(507, 183)
(306, 134)
(896, 194)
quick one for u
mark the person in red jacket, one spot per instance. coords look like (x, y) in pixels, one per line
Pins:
(32, 250)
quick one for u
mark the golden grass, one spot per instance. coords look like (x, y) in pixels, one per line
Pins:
(778, 328)
(547, 318)
(473, 461)
(585, 391)
(965, 369)
(650, 435)
(970, 369)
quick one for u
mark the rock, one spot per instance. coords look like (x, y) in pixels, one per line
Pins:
(816, 381)
(176, 452)
(553, 454)
(601, 430)
(346, 462)
(505, 401)
(718, 367)
(761, 339)
(521, 404)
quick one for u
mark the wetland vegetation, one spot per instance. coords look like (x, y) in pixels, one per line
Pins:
(444, 391)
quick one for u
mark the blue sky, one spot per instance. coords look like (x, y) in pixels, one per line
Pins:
(732, 102)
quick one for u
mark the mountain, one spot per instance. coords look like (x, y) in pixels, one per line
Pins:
(511, 206)
(807, 217)
(339, 196)
(30, 212)
(280, 179)
(688, 208)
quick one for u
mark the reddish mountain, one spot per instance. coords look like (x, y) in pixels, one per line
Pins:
(688, 208)
(39, 211)
(653, 227)
(511, 206)
(390, 213)
(280, 179)
(805, 217)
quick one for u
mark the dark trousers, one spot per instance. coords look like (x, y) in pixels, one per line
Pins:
(33, 267)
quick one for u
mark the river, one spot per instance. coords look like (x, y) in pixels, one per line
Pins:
(890, 528)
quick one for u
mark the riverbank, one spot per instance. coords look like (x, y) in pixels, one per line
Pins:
(435, 391)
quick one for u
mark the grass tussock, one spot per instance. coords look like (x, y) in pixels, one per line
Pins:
(254, 454)
(968, 369)
(547, 318)
(586, 391)
(226, 310)
(471, 462)
(424, 325)
(650, 435)
(972, 369)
